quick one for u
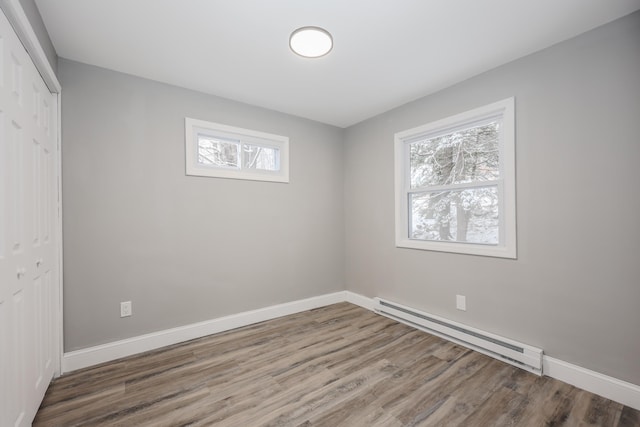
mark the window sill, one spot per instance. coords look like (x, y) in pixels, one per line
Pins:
(459, 248)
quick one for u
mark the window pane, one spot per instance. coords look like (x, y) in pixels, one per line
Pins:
(218, 152)
(470, 215)
(262, 158)
(468, 155)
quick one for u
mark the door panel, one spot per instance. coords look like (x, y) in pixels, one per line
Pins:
(29, 288)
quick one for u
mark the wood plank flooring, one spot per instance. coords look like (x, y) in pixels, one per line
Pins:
(335, 366)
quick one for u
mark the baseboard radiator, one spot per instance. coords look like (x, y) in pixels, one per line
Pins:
(521, 355)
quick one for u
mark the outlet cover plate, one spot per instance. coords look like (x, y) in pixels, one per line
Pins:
(125, 309)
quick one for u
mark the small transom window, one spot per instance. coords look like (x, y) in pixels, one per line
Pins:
(222, 151)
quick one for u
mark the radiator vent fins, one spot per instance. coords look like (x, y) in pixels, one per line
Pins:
(521, 355)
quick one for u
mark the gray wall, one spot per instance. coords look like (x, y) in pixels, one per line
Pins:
(33, 14)
(185, 249)
(575, 288)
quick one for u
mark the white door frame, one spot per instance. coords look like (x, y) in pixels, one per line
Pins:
(15, 14)
(21, 25)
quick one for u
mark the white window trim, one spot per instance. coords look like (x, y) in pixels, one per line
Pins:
(193, 168)
(506, 185)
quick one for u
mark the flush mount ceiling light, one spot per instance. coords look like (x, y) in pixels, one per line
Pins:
(311, 42)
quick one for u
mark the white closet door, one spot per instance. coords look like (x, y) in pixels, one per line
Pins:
(29, 289)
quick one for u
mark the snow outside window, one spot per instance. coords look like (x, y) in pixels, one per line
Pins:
(222, 151)
(455, 183)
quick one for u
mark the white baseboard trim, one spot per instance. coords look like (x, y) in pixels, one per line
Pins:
(357, 299)
(86, 357)
(611, 388)
(594, 382)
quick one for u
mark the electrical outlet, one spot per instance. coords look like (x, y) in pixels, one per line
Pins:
(461, 302)
(125, 309)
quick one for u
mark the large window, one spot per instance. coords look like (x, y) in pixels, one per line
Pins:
(455, 183)
(224, 151)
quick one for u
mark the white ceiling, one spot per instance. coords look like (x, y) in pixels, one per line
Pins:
(386, 52)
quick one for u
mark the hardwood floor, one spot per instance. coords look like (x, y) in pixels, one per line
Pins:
(335, 366)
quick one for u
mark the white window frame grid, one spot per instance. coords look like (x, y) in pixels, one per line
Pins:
(195, 127)
(506, 183)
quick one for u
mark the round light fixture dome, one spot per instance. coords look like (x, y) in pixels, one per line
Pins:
(311, 42)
